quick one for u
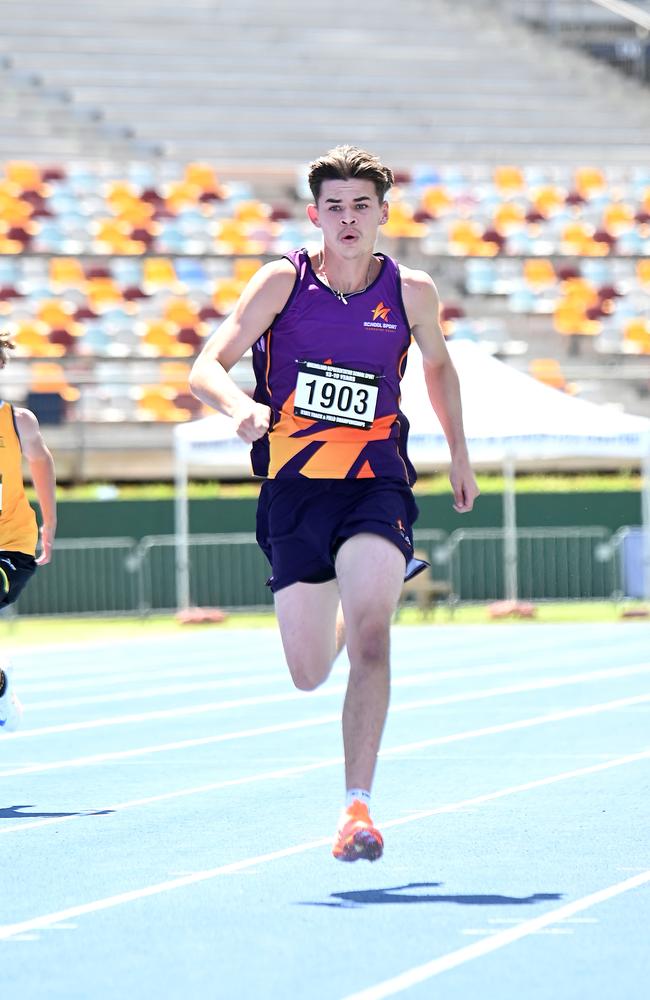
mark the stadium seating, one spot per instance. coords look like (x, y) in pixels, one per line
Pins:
(89, 280)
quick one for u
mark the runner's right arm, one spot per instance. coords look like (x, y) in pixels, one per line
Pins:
(263, 298)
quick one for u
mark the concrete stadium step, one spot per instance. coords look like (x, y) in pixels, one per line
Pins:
(496, 124)
(456, 57)
(241, 160)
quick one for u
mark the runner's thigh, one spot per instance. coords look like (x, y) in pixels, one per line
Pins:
(370, 574)
(306, 614)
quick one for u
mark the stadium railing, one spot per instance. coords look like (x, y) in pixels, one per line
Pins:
(121, 576)
(613, 30)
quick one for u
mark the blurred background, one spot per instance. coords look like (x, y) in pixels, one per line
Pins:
(153, 155)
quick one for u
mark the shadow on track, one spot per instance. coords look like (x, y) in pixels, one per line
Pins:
(14, 812)
(396, 894)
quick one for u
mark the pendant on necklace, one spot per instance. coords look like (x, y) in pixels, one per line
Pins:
(335, 291)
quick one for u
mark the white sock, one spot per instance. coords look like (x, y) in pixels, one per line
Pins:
(360, 794)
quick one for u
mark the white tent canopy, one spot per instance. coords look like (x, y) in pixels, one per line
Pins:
(507, 413)
(509, 418)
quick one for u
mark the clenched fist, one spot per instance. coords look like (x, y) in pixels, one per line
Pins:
(252, 420)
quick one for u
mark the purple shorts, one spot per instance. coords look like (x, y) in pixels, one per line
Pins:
(302, 523)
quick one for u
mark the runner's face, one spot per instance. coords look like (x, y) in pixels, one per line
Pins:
(349, 214)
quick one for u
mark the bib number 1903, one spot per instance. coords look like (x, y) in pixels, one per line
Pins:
(338, 395)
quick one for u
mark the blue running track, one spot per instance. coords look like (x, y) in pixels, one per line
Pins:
(167, 811)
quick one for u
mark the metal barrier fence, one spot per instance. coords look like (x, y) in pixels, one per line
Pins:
(86, 576)
(226, 571)
(552, 564)
(120, 576)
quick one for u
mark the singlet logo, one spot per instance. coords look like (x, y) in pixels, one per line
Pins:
(379, 319)
(381, 312)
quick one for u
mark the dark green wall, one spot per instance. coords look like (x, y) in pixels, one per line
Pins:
(536, 510)
(137, 518)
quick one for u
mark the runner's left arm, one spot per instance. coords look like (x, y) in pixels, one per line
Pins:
(41, 467)
(423, 308)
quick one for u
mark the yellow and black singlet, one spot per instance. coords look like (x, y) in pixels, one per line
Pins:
(18, 527)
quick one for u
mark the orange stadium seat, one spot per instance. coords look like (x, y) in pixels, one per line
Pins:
(402, 224)
(548, 199)
(576, 238)
(66, 272)
(175, 374)
(56, 313)
(48, 376)
(103, 292)
(181, 194)
(589, 181)
(643, 273)
(549, 371)
(636, 335)
(509, 217)
(139, 214)
(114, 236)
(204, 177)
(31, 340)
(226, 293)
(158, 339)
(14, 211)
(158, 273)
(24, 174)
(618, 217)
(464, 237)
(436, 201)
(539, 273)
(252, 210)
(156, 402)
(10, 246)
(245, 267)
(509, 180)
(181, 312)
(572, 319)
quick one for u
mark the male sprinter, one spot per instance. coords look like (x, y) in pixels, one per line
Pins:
(20, 435)
(330, 334)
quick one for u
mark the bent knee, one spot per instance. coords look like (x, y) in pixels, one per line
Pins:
(307, 675)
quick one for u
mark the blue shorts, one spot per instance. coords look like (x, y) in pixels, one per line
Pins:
(302, 523)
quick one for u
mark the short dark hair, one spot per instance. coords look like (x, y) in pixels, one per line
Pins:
(345, 162)
(5, 346)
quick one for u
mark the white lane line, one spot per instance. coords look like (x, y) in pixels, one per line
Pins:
(215, 786)
(99, 758)
(137, 675)
(159, 691)
(70, 913)
(608, 706)
(447, 638)
(330, 691)
(571, 713)
(421, 973)
(196, 666)
(415, 677)
(298, 769)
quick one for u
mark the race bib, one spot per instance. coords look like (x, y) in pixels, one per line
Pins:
(339, 395)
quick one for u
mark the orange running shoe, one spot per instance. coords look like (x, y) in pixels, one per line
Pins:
(357, 838)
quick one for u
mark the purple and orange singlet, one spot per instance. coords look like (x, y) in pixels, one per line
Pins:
(330, 370)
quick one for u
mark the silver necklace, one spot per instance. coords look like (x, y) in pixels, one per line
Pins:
(339, 294)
